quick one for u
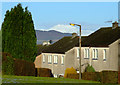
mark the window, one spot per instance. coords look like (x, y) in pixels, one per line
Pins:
(86, 53)
(49, 58)
(104, 54)
(62, 60)
(43, 58)
(55, 59)
(95, 54)
(78, 52)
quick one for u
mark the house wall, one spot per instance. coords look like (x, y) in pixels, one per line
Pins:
(113, 55)
(119, 55)
(56, 68)
(73, 61)
(38, 61)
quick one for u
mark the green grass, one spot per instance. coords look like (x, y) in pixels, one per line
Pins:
(31, 79)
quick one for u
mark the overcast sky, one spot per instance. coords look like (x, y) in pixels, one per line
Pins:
(58, 15)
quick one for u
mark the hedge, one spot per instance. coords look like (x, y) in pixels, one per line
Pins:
(12, 66)
(109, 77)
(24, 68)
(103, 77)
(73, 76)
(94, 76)
(7, 64)
(119, 77)
(44, 72)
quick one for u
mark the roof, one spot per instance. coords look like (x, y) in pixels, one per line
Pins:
(100, 38)
(63, 45)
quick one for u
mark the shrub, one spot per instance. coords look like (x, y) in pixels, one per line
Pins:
(119, 77)
(94, 76)
(109, 77)
(69, 71)
(7, 64)
(12, 66)
(89, 69)
(44, 72)
(73, 75)
(24, 68)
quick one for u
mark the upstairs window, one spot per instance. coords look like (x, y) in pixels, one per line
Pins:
(78, 53)
(55, 59)
(86, 53)
(49, 58)
(62, 60)
(104, 55)
(43, 58)
(95, 54)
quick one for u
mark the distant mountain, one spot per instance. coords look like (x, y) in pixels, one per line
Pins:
(49, 35)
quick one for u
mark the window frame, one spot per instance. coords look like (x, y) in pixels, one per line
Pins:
(104, 54)
(62, 60)
(43, 58)
(55, 59)
(49, 59)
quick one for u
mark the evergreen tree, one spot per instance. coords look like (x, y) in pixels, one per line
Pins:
(19, 37)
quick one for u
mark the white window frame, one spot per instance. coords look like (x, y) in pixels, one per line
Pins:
(55, 59)
(86, 53)
(78, 53)
(62, 59)
(43, 58)
(95, 54)
(104, 54)
(49, 59)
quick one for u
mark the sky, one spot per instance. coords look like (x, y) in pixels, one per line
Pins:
(57, 15)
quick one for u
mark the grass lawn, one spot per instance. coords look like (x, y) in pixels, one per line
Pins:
(31, 79)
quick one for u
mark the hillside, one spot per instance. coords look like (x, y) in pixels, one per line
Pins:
(49, 35)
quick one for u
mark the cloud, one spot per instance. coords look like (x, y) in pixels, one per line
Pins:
(69, 29)
(64, 28)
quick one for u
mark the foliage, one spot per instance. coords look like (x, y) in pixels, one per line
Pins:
(44, 72)
(18, 34)
(69, 71)
(89, 69)
(7, 66)
(24, 68)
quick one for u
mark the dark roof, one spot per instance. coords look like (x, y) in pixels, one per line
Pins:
(63, 45)
(100, 38)
(40, 48)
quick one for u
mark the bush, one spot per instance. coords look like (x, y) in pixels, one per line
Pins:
(12, 66)
(89, 69)
(69, 71)
(73, 76)
(24, 68)
(44, 72)
(109, 77)
(119, 77)
(103, 77)
(7, 64)
(94, 76)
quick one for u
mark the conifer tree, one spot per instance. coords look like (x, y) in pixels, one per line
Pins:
(18, 34)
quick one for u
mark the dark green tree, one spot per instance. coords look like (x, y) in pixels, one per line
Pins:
(19, 37)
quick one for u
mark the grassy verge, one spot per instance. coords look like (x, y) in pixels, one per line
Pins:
(31, 79)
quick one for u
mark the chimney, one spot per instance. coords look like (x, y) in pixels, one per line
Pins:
(114, 25)
(74, 35)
